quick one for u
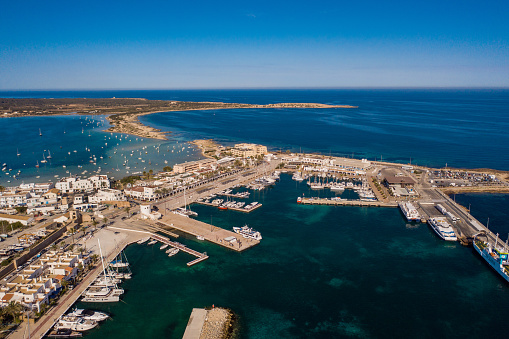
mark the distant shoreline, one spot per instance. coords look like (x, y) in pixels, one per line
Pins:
(123, 113)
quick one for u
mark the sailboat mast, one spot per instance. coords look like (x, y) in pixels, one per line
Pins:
(101, 252)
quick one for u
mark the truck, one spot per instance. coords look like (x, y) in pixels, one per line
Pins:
(441, 209)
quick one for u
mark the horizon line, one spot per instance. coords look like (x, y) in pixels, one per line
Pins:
(259, 88)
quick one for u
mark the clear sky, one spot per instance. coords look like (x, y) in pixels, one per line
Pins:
(111, 44)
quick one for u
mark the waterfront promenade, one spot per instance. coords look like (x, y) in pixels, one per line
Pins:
(111, 245)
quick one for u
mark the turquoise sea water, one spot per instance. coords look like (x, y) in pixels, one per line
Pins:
(320, 271)
(72, 140)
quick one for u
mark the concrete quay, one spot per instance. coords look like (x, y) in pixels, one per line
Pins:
(231, 208)
(325, 201)
(211, 233)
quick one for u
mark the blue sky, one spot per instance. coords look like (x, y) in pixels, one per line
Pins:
(256, 44)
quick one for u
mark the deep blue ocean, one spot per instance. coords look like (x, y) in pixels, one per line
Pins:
(320, 271)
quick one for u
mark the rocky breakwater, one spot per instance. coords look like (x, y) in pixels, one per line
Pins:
(219, 324)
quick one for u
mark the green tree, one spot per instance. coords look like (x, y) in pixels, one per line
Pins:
(127, 210)
(14, 311)
(105, 220)
(167, 168)
(72, 230)
(21, 209)
(2, 188)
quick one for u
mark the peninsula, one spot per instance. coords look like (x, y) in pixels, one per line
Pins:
(123, 113)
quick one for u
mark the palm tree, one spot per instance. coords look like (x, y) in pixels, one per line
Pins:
(72, 230)
(14, 310)
(127, 210)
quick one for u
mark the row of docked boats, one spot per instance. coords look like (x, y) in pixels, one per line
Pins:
(105, 286)
(77, 321)
(247, 232)
(171, 251)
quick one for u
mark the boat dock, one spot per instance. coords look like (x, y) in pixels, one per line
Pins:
(230, 208)
(344, 202)
(183, 248)
(216, 235)
(48, 320)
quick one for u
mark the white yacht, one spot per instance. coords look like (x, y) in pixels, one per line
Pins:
(75, 324)
(173, 251)
(106, 281)
(248, 232)
(102, 294)
(442, 228)
(89, 314)
(337, 187)
(141, 241)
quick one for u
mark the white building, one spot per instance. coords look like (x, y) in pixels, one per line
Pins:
(107, 194)
(142, 192)
(147, 213)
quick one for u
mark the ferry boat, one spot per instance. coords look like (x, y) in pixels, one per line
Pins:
(409, 211)
(248, 232)
(497, 257)
(299, 200)
(442, 228)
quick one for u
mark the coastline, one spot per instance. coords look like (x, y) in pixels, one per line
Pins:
(130, 124)
(123, 113)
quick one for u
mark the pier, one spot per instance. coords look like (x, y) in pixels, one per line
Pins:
(230, 208)
(344, 202)
(183, 248)
(216, 235)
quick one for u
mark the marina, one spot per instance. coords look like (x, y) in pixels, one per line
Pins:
(291, 241)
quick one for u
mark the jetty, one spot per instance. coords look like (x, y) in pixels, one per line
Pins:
(344, 202)
(242, 209)
(216, 235)
(199, 256)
